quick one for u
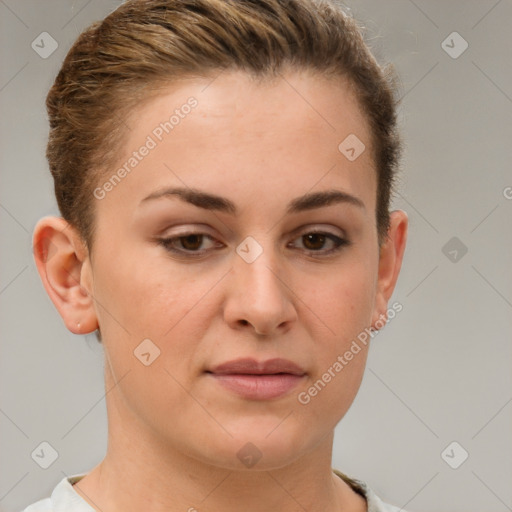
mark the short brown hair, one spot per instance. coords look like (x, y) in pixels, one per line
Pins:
(119, 62)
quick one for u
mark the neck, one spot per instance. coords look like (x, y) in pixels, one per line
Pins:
(127, 486)
(140, 472)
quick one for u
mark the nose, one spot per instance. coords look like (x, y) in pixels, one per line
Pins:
(259, 298)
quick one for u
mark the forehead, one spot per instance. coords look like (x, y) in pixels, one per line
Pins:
(234, 135)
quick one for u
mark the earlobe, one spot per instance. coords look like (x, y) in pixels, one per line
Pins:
(390, 262)
(60, 256)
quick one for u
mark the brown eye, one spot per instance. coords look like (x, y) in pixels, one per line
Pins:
(191, 242)
(314, 241)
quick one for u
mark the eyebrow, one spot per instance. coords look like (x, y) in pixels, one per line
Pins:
(214, 202)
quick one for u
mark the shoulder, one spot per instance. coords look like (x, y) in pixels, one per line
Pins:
(63, 499)
(40, 506)
(374, 503)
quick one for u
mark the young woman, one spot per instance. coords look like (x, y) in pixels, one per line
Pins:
(224, 172)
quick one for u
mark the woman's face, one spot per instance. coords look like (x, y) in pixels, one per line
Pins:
(235, 262)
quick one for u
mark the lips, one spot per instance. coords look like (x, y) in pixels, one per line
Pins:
(253, 367)
(258, 380)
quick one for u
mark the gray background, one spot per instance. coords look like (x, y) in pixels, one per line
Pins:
(439, 372)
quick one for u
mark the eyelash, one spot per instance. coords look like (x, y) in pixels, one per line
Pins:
(340, 243)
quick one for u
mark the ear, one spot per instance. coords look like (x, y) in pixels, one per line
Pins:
(63, 264)
(390, 262)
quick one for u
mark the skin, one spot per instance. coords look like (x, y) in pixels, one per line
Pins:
(174, 432)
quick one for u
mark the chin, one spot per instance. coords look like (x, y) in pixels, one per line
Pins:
(260, 448)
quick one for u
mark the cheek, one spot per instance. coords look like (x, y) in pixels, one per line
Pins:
(344, 301)
(343, 305)
(344, 308)
(143, 299)
(153, 301)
